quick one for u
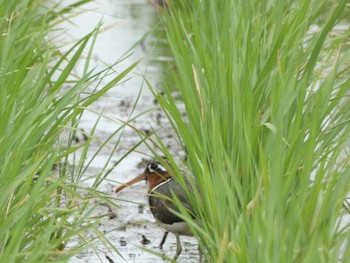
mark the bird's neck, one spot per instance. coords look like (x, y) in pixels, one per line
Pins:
(155, 180)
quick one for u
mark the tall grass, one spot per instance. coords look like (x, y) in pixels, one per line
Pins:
(43, 203)
(265, 86)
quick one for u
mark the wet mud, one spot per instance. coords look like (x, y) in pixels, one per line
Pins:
(131, 228)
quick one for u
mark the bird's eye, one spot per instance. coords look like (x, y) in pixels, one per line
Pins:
(152, 167)
(156, 167)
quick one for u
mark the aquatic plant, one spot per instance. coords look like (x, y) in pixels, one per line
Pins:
(44, 202)
(265, 86)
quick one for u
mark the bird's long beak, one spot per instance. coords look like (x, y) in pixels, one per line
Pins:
(131, 182)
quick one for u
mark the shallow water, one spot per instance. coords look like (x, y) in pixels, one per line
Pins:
(125, 23)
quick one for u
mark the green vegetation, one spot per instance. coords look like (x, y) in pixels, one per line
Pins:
(43, 201)
(266, 90)
(265, 87)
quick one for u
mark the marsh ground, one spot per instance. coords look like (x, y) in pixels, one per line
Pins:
(132, 227)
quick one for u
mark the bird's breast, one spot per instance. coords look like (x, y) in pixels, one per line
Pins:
(161, 205)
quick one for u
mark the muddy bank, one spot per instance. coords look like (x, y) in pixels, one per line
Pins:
(132, 227)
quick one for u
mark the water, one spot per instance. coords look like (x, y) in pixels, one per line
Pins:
(125, 23)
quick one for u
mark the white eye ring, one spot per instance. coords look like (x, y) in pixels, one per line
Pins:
(153, 167)
(150, 169)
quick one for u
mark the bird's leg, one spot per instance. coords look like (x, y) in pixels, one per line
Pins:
(178, 247)
(163, 239)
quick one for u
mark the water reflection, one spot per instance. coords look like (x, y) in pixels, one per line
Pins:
(125, 23)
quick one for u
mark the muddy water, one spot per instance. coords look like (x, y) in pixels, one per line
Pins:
(132, 227)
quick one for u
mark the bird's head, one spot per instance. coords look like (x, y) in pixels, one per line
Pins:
(154, 173)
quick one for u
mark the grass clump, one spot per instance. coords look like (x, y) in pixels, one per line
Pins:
(265, 86)
(43, 202)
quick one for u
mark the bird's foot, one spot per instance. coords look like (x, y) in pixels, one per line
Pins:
(163, 239)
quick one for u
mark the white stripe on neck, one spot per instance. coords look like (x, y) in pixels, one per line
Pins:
(162, 183)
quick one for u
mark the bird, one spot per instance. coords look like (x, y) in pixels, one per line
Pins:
(162, 187)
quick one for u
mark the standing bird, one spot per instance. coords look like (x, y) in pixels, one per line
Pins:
(162, 187)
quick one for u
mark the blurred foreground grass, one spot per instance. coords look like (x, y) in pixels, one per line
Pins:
(43, 201)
